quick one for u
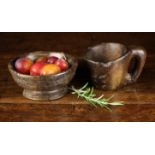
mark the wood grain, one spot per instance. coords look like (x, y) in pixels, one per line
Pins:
(139, 97)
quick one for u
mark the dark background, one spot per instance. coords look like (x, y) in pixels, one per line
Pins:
(74, 42)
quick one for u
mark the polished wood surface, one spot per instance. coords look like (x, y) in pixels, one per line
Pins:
(139, 97)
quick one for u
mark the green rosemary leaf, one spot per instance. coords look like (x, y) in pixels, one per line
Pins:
(85, 86)
(88, 94)
(100, 97)
(116, 103)
(108, 99)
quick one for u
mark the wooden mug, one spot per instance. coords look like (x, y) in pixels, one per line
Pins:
(113, 65)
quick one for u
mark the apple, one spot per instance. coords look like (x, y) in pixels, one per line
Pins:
(48, 69)
(42, 59)
(36, 68)
(63, 64)
(23, 65)
(52, 59)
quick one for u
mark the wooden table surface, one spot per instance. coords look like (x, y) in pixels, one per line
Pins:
(139, 98)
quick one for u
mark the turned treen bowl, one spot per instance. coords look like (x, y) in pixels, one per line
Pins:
(46, 87)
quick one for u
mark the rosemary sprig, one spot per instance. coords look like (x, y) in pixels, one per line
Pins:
(88, 94)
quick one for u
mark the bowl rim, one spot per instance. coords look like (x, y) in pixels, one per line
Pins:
(74, 64)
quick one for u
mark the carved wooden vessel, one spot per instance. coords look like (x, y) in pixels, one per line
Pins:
(49, 87)
(113, 65)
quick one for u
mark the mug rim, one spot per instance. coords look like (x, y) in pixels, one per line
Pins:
(118, 59)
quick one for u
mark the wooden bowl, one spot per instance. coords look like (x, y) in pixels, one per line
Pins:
(48, 87)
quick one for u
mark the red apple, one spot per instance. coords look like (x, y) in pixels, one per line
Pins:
(23, 65)
(42, 59)
(36, 68)
(52, 59)
(50, 69)
(63, 64)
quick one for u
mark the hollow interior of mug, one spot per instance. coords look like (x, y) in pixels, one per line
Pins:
(106, 52)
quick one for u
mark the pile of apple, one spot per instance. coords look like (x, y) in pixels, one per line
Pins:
(52, 64)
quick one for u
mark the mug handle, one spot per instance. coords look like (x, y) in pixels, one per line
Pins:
(139, 55)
